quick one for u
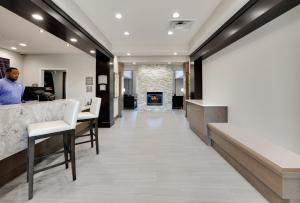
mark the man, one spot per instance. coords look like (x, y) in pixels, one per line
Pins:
(11, 91)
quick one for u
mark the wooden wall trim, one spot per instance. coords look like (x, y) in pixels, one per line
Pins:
(56, 22)
(250, 17)
(121, 99)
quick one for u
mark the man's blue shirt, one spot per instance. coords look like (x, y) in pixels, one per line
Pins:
(10, 92)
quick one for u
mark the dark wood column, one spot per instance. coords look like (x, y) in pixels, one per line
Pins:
(198, 79)
(186, 75)
(104, 66)
(121, 76)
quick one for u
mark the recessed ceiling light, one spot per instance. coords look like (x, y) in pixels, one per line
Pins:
(175, 15)
(133, 63)
(92, 51)
(13, 48)
(23, 44)
(170, 32)
(118, 16)
(73, 40)
(68, 44)
(175, 53)
(37, 16)
(126, 33)
(128, 54)
(41, 30)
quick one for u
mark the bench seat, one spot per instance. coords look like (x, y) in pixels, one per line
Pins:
(273, 170)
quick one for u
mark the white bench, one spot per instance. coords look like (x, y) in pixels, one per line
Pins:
(271, 169)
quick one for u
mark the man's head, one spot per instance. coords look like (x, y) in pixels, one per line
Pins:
(12, 73)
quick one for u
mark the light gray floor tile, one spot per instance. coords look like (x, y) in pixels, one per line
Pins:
(148, 157)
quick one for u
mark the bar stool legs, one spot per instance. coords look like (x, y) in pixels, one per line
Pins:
(72, 135)
(66, 149)
(69, 148)
(96, 136)
(91, 133)
(30, 171)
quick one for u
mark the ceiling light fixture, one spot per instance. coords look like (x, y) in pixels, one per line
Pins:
(128, 54)
(118, 16)
(13, 48)
(175, 15)
(126, 33)
(73, 40)
(23, 44)
(175, 53)
(92, 51)
(41, 30)
(170, 32)
(37, 17)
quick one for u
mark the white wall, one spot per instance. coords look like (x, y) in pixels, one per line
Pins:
(78, 67)
(16, 60)
(258, 77)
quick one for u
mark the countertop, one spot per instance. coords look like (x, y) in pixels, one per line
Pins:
(14, 120)
(203, 103)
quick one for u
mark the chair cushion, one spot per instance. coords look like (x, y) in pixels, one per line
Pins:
(85, 115)
(36, 129)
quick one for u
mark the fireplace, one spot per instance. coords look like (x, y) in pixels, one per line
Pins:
(154, 98)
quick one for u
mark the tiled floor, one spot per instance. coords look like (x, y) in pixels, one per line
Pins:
(145, 157)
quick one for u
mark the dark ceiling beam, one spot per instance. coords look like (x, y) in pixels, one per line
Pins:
(56, 22)
(254, 14)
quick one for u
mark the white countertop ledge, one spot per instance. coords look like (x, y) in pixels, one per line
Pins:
(203, 103)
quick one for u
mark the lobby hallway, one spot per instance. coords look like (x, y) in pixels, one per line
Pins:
(146, 157)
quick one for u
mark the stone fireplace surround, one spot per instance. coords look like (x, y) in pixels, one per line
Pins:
(154, 78)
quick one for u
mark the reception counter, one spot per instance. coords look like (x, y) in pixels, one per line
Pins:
(13, 134)
(200, 113)
(15, 118)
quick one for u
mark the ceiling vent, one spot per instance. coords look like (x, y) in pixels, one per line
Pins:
(181, 24)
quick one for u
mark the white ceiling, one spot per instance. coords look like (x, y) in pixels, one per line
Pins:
(146, 20)
(15, 29)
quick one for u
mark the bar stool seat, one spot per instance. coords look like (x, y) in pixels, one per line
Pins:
(37, 129)
(86, 115)
(42, 130)
(92, 118)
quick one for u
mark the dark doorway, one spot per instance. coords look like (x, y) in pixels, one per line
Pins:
(197, 73)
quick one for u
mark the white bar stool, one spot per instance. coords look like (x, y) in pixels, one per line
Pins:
(65, 127)
(92, 117)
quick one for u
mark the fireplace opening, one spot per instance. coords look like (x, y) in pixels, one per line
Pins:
(154, 98)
